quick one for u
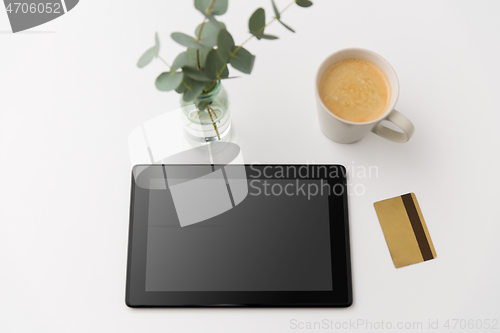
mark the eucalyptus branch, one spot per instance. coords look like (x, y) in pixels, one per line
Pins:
(198, 38)
(208, 11)
(252, 36)
(275, 18)
(197, 70)
(267, 24)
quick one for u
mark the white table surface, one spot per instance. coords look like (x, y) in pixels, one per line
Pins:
(71, 94)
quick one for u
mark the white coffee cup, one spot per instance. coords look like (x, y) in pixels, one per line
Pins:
(345, 131)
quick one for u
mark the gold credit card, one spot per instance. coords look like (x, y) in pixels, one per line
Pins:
(405, 231)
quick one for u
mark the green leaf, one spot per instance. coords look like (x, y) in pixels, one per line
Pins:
(276, 11)
(157, 44)
(257, 22)
(270, 37)
(180, 61)
(146, 58)
(208, 85)
(219, 8)
(215, 68)
(186, 40)
(304, 3)
(196, 74)
(209, 33)
(242, 60)
(181, 88)
(286, 26)
(202, 5)
(195, 88)
(192, 58)
(168, 80)
(191, 55)
(225, 45)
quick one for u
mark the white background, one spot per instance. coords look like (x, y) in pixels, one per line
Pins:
(71, 94)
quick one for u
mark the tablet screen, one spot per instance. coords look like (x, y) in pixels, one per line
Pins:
(238, 235)
(276, 239)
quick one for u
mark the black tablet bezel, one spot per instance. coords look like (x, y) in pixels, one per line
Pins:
(340, 296)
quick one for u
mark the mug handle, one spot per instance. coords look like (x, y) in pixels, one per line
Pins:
(399, 120)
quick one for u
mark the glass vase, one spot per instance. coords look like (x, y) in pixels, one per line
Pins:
(207, 118)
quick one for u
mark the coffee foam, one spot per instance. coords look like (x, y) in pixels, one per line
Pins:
(355, 90)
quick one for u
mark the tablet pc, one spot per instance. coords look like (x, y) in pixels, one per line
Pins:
(238, 235)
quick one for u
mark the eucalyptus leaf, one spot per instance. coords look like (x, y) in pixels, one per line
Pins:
(304, 3)
(157, 44)
(286, 26)
(225, 45)
(242, 60)
(257, 23)
(186, 40)
(202, 5)
(168, 80)
(276, 11)
(208, 36)
(270, 37)
(195, 89)
(146, 58)
(180, 61)
(192, 57)
(181, 88)
(196, 74)
(219, 7)
(215, 68)
(208, 85)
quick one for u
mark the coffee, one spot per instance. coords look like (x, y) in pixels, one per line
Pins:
(355, 90)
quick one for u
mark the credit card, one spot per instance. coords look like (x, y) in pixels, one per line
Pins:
(405, 230)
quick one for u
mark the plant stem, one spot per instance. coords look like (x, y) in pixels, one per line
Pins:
(191, 120)
(209, 9)
(284, 9)
(211, 88)
(215, 114)
(163, 60)
(196, 115)
(213, 123)
(246, 41)
(201, 29)
(198, 38)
